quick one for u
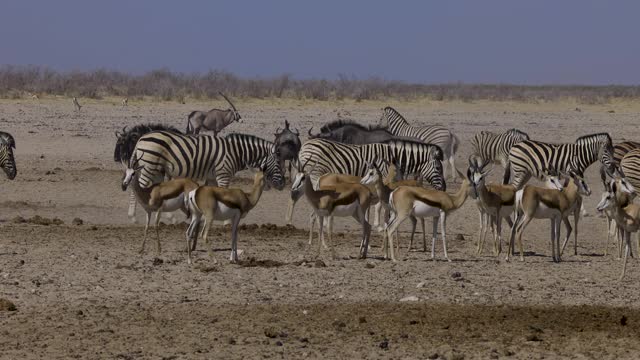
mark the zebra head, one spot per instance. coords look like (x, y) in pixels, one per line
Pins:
(432, 172)
(273, 171)
(389, 117)
(130, 172)
(7, 161)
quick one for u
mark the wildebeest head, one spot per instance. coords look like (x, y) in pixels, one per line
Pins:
(287, 143)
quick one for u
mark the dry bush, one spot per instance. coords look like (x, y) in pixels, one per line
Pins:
(17, 81)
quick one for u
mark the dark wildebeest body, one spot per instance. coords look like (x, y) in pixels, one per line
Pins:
(127, 139)
(287, 145)
(214, 120)
(349, 132)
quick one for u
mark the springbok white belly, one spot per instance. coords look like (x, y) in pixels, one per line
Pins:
(422, 210)
(223, 212)
(345, 210)
(545, 212)
(174, 204)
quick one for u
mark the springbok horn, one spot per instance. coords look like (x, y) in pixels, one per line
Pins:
(229, 101)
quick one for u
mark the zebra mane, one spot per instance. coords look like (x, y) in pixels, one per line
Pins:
(598, 136)
(437, 148)
(337, 124)
(396, 113)
(236, 136)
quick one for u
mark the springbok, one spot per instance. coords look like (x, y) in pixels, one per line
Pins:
(409, 201)
(627, 218)
(214, 120)
(345, 199)
(76, 104)
(215, 203)
(167, 196)
(557, 204)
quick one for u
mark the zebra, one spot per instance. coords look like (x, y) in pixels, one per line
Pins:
(494, 147)
(209, 158)
(338, 158)
(530, 157)
(430, 134)
(621, 149)
(630, 166)
(7, 160)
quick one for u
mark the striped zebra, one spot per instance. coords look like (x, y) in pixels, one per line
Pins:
(621, 149)
(213, 159)
(338, 158)
(530, 158)
(7, 161)
(630, 166)
(495, 148)
(430, 134)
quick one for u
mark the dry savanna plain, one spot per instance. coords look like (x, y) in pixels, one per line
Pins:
(82, 290)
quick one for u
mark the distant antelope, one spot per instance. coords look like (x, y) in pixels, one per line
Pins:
(76, 104)
(125, 102)
(214, 120)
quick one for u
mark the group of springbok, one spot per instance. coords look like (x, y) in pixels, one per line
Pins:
(342, 195)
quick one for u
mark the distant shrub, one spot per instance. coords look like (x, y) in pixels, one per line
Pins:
(16, 81)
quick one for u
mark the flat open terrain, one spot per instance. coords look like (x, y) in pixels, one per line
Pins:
(83, 291)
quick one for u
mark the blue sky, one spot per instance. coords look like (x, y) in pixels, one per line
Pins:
(534, 42)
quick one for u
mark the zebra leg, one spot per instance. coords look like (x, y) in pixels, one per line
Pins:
(132, 206)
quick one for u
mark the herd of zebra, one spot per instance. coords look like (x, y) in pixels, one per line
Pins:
(348, 167)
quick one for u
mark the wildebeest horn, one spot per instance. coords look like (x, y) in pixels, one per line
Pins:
(310, 134)
(295, 131)
(278, 132)
(229, 101)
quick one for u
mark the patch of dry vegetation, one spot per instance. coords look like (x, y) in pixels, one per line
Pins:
(25, 81)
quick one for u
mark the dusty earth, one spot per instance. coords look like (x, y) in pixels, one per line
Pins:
(83, 291)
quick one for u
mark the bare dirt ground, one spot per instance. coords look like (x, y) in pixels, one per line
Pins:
(83, 291)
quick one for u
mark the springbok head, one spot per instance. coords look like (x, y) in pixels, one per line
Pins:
(131, 171)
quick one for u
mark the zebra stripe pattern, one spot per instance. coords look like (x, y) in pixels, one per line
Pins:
(204, 157)
(530, 158)
(7, 160)
(630, 166)
(338, 158)
(494, 147)
(621, 149)
(432, 134)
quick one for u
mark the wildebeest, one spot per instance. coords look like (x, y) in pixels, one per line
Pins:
(287, 145)
(350, 132)
(7, 161)
(214, 120)
(127, 139)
